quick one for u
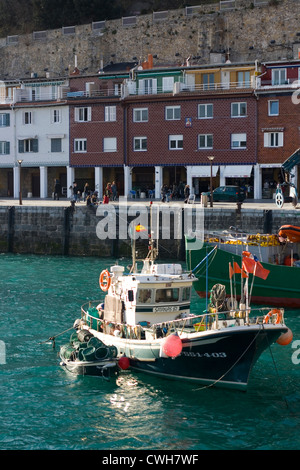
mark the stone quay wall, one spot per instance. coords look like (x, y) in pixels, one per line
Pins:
(62, 231)
(262, 30)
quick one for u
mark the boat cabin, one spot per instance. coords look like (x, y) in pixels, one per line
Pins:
(157, 294)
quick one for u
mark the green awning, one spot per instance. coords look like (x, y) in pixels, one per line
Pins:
(145, 74)
(112, 77)
(292, 161)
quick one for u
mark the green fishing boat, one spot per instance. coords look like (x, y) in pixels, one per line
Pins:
(218, 257)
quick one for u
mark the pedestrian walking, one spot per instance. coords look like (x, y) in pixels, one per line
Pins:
(186, 193)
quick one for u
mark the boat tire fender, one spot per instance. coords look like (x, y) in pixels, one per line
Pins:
(105, 280)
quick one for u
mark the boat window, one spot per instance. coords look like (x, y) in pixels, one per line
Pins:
(186, 293)
(167, 295)
(130, 296)
(144, 296)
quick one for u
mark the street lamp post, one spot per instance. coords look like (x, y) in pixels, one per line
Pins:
(20, 190)
(211, 159)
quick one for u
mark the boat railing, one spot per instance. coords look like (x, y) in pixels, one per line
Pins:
(187, 324)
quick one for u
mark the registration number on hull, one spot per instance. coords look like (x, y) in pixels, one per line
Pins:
(197, 354)
(166, 309)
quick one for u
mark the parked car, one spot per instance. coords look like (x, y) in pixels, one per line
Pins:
(227, 193)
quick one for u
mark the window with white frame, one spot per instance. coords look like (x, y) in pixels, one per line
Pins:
(54, 89)
(238, 141)
(140, 115)
(139, 144)
(83, 114)
(110, 113)
(148, 86)
(28, 145)
(27, 117)
(35, 93)
(80, 145)
(279, 76)
(243, 79)
(56, 144)
(4, 148)
(273, 139)
(205, 141)
(55, 116)
(117, 89)
(208, 81)
(176, 142)
(4, 119)
(167, 84)
(273, 108)
(238, 109)
(109, 144)
(172, 113)
(205, 111)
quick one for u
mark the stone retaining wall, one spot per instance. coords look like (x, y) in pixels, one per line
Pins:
(247, 32)
(62, 231)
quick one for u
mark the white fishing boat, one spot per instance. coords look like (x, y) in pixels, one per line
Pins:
(146, 316)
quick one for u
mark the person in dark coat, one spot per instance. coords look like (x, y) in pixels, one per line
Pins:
(186, 193)
(57, 190)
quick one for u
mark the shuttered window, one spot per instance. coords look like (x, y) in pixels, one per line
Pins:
(109, 144)
(273, 139)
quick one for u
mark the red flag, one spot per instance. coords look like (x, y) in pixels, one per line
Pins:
(255, 267)
(236, 267)
(231, 271)
(261, 272)
(244, 274)
(238, 270)
(248, 264)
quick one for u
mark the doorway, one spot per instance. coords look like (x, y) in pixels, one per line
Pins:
(35, 185)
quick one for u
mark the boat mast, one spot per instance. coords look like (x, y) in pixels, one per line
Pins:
(153, 251)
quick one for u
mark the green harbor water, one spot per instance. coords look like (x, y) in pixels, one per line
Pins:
(42, 407)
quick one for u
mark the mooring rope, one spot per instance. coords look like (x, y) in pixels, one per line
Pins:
(52, 338)
(220, 378)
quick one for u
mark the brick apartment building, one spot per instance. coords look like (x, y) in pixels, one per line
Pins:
(162, 132)
(278, 122)
(143, 127)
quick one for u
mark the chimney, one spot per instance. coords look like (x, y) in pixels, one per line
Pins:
(150, 61)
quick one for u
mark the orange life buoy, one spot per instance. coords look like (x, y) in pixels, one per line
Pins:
(105, 280)
(274, 311)
(279, 316)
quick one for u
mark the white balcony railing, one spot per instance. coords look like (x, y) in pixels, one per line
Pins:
(182, 87)
(288, 83)
(131, 88)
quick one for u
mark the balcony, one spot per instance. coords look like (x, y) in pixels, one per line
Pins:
(92, 94)
(271, 84)
(188, 88)
(127, 88)
(36, 94)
